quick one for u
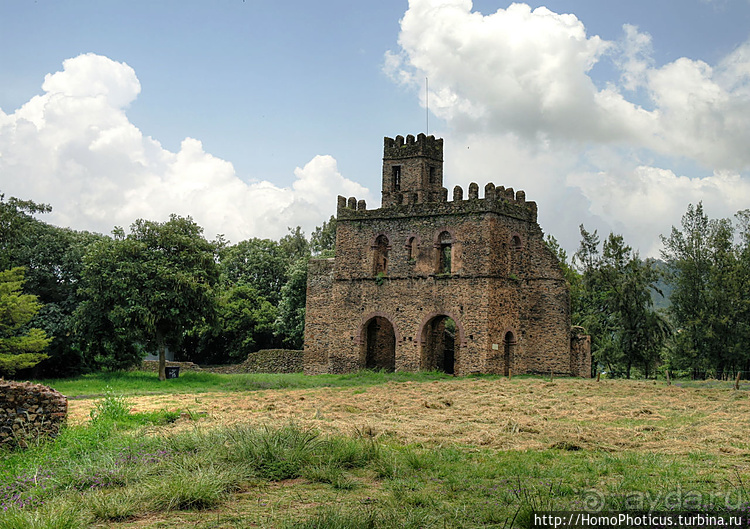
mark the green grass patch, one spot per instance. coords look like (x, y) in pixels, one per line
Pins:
(117, 468)
(145, 383)
(109, 471)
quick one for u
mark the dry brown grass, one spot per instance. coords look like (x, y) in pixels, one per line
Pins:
(521, 414)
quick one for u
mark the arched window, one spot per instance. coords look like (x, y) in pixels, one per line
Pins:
(445, 253)
(380, 255)
(411, 250)
(516, 244)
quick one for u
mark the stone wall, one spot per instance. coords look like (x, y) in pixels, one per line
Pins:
(580, 352)
(401, 271)
(29, 411)
(265, 361)
(153, 366)
(273, 361)
(502, 279)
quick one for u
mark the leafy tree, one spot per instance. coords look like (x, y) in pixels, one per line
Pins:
(323, 239)
(146, 289)
(628, 282)
(290, 323)
(259, 263)
(53, 258)
(20, 347)
(617, 306)
(572, 277)
(709, 275)
(295, 245)
(244, 323)
(742, 288)
(15, 218)
(687, 254)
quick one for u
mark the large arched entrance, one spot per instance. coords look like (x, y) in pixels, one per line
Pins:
(439, 345)
(379, 345)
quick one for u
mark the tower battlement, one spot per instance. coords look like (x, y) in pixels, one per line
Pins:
(501, 200)
(474, 258)
(399, 148)
(412, 170)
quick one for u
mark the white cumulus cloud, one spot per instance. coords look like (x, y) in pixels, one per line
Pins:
(526, 79)
(74, 148)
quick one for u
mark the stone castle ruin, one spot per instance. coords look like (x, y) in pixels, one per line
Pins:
(464, 285)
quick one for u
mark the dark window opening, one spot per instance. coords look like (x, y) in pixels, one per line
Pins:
(410, 250)
(380, 256)
(432, 175)
(396, 177)
(515, 243)
(445, 253)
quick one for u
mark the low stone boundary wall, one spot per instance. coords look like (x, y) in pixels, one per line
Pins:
(153, 366)
(29, 411)
(267, 361)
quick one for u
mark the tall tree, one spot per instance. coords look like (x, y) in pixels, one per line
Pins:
(290, 322)
(53, 258)
(742, 329)
(244, 323)
(704, 271)
(147, 288)
(617, 306)
(20, 347)
(572, 277)
(295, 245)
(323, 239)
(15, 218)
(628, 282)
(260, 263)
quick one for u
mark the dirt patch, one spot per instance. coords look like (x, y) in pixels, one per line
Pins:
(512, 415)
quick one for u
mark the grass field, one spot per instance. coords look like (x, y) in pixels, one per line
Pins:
(378, 451)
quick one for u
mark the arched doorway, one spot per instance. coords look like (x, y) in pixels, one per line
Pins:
(509, 349)
(379, 345)
(439, 345)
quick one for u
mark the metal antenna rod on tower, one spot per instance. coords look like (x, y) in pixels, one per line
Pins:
(427, 104)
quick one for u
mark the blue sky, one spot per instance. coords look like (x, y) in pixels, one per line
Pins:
(252, 116)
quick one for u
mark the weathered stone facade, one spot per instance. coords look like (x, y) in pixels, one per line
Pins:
(272, 361)
(29, 411)
(464, 286)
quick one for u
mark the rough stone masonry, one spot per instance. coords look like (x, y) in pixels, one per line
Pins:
(464, 286)
(29, 411)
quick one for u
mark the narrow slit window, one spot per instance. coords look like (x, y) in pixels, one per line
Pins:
(396, 177)
(445, 253)
(380, 256)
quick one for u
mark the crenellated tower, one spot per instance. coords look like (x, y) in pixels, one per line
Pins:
(412, 170)
(466, 285)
